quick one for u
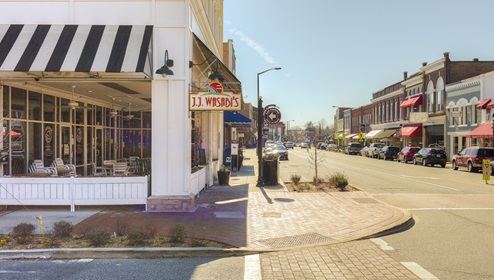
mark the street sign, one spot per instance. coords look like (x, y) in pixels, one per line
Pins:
(362, 127)
(486, 170)
(272, 115)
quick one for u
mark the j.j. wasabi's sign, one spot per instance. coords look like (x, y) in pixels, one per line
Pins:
(215, 99)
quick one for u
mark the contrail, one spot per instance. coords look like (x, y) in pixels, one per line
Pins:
(254, 45)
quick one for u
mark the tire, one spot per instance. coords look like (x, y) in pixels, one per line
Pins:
(385, 158)
(470, 167)
(424, 162)
(443, 165)
(454, 166)
(405, 160)
(414, 161)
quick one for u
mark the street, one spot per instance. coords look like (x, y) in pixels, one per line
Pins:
(453, 210)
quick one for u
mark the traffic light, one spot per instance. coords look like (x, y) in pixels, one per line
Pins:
(362, 127)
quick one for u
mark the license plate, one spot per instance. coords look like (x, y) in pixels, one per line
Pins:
(438, 155)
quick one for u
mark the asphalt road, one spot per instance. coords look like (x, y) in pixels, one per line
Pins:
(453, 210)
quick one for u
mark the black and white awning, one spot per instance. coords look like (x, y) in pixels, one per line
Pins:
(75, 48)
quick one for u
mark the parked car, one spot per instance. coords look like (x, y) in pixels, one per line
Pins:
(471, 158)
(364, 150)
(331, 147)
(279, 150)
(406, 154)
(289, 145)
(304, 145)
(374, 148)
(323, 146)
(430, 156)
(388, 152)
(353, 148)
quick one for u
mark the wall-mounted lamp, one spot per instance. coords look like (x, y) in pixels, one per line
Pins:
(216, 75)
(164, 70)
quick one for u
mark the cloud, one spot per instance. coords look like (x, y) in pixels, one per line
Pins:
(254, 45)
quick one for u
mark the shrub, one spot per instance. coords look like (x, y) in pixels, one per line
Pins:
(305, 186)
(62, 229)
(295, 178)
(122, 226)
(339, 180)
(317, 180)
(23, 232)
(138, 238)
(177, 234)
(293, 187)
(98, 238)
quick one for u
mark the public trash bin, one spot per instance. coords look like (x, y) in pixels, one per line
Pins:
(270, 170)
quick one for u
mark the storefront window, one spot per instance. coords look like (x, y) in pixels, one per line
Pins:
(18, 103)
(34, 106)
(64, 110)
(6, 101)
(35, 142)
(49, 108)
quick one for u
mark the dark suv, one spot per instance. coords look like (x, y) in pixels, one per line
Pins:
(430, 156)
(388, 152)
(472, 157)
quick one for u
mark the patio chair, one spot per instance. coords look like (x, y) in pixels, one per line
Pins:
(120, 169)
(62, 168)
(37, 167)
(98, 170)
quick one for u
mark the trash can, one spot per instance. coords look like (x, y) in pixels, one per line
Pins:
(270, 171)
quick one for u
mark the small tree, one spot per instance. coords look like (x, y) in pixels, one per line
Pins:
(339, 180)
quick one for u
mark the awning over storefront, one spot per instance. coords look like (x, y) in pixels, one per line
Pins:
(483, 104)
(412, 130)
(412, 101)
(231, 82)
(75, 48)
(372, 133)
(349, 136)
(339, 136)
(490, 105)
(385, 134)
(236, 119)
(483, 131)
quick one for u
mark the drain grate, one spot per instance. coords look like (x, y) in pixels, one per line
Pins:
(365, 200)
(295, 240)
(271, 214)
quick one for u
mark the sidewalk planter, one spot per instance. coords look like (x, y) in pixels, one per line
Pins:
(224, 177)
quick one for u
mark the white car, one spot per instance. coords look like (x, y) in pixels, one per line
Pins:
(289, 145)
(304, 145)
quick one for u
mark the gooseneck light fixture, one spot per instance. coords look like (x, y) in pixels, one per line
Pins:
(216, 75)
(260, 123)
(165, 70)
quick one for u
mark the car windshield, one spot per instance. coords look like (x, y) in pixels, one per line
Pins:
(437, 151)
(414, 150)
(486, 153)
(280, 148)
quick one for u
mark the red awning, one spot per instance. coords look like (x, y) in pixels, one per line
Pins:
(483, 104)
(417, 100)
(490, 105)
(483, 131)
(412, 130)
(405, 103)
(412, 101)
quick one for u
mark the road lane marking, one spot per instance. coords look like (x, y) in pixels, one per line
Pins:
(252, 267)
(382, 244)
(419, 271)
(419, 181)
(443, 208)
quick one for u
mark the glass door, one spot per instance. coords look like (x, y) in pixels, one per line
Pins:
(66, 144)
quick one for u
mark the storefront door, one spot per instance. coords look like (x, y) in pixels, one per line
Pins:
(66, 144)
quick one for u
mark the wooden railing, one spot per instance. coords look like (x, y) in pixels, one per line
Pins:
(72, 191)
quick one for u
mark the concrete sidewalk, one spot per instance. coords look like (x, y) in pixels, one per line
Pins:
(247, 217)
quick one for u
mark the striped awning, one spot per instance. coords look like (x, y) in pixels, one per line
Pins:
(75, 48)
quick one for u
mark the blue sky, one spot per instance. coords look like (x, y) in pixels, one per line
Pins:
(337, 53)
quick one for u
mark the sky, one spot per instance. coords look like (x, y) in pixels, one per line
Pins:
(337, 53)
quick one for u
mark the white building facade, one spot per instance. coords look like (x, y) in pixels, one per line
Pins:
(103, 56)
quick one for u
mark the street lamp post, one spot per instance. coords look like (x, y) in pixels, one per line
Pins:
(260, 124)
(288, 128)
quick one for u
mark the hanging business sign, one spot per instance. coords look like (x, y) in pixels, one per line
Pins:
(215, 99)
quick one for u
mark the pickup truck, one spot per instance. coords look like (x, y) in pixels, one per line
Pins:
(374, 149)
